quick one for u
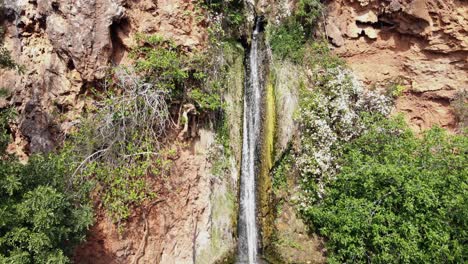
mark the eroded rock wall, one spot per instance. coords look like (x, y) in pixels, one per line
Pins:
(191, 220)
(66, 47)
(420, 44)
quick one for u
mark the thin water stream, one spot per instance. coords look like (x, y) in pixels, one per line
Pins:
(248, 233)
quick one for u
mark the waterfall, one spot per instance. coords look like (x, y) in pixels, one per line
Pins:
(250, 146)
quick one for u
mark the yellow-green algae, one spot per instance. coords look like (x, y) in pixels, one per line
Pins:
(267, 155)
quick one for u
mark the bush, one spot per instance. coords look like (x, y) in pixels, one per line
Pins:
(42, 214)
(232, 11)
(330, 114)
(307, 13)
(287, 40)
(117, 146)
(182, 77)
(397, 199)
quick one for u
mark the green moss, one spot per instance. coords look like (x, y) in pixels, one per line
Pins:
(267, 156)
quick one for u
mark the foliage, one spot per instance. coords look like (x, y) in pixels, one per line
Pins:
(318, 56)
(395, 88)
(460, 108)
(287, 40)
(307, 13)
(281, 170)
(397, 199)
(6, 62)
(329, 115)
(206, 101)
(117, 145)
(6, 116)
(232, 11)
(120, 144)
(42, 213)
(161, 62)
(169, 69)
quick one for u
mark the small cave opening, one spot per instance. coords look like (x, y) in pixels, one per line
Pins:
(55, 6)
(381, 23)
(71, 65)
(118, 29)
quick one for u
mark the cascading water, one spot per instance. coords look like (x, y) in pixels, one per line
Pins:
(251, 130)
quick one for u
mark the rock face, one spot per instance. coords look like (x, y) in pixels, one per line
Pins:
(66, 47)
(191, 222)
(420, 44)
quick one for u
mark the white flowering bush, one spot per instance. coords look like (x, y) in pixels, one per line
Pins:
(330, 115)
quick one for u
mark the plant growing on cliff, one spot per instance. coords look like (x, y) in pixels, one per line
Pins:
(6, 62)
(287, 40)
(307, 13)
(182, 76)
(232, 11)
(397, 199)
(118, 145)
(42, 214)
(330, 115)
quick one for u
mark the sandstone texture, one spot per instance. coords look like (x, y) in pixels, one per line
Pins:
(191, 220)
(66, 47)
(420, 44)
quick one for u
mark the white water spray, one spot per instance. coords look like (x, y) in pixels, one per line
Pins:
(252, 122)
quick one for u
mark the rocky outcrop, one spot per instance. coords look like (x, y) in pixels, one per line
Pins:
(66, 47)
(420, 44)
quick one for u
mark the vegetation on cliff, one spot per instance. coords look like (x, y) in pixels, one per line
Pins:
(374, 190)
(397, 198)
(43, 213)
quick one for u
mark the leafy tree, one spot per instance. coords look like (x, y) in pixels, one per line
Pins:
(42, 214)
(398, 198)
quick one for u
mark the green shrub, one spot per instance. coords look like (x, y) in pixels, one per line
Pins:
(6, 116)
(43, 214)
(307, 13)
(287, 40)
(397, 199)
(281, 171)
(162, 63)
(117, 146)
(319, 56)
(232, 10)
(331, 113)
(169, 69)
(206, 101)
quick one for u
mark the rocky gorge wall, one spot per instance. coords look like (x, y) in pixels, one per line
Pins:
(65, 49)
(67, 46)
(420, 44)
